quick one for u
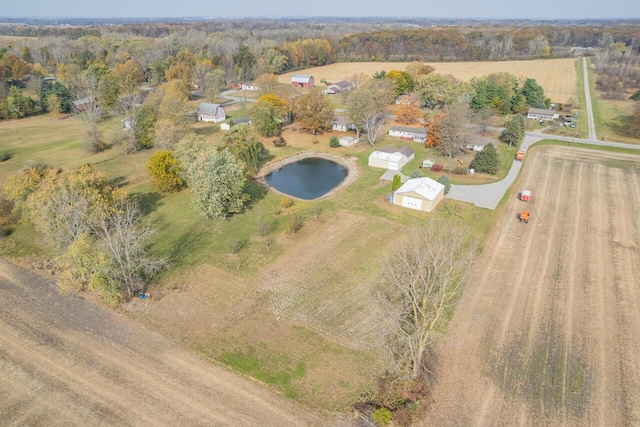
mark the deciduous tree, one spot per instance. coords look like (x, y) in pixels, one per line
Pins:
(450, 131)
(314, 112)
(422, 283)
(164, 171)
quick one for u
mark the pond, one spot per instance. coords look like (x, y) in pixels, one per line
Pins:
(307, 178)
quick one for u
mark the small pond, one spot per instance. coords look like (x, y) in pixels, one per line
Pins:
(308, 178)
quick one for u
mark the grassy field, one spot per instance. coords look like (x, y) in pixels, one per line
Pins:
(556, 76)
(293, 310)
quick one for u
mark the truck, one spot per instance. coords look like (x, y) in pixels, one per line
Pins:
(520, 156)
(524, 216)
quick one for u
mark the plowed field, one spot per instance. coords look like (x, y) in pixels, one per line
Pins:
(548, 333)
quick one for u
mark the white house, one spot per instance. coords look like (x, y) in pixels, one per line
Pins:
(542, 114)
(211, 113)
(237, 122)
(409, 133)
(348, 141)
(249, 86)
(477, 143)
(422, 194)
(342, 124)
(391, 158)
(336, 88)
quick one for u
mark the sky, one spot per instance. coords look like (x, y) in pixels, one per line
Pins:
(492, 9)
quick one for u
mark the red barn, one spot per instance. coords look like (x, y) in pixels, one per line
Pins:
(300, 80)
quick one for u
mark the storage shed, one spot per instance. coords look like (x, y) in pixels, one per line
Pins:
(348, 141)
(422, 194)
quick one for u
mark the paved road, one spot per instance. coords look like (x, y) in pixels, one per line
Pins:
(227, 94)
(587, 96)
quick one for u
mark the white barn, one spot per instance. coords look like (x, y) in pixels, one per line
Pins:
(422, 194)
(211, 113)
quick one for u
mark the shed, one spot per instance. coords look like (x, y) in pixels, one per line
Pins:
(211, 113)
(422, 194)
(426, 164)
(348, 141)
(300, 80)
(236, 122)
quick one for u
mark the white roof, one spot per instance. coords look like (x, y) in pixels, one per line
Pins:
(425, 187)
(300, 78)
(526, 193)
(389, 157)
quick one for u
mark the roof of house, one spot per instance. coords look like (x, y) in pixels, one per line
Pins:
(541, 111)
(341, 121)
(342, 84)
(389, 157)
(206, 108)
(415, 131)
(406, 151)
(84, 101)
(301, 78)
(241, 120)
(482, 141)
(425, 187)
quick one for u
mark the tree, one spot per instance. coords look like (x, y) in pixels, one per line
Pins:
(173, 123)
(55, 106)
(408, 113)
(56, 88)
(423, 279)
(314, 112)
(334, 142)
(450, 131)
(18, 105)
(144, 126)
(164, 171)
(63, 205)
(373, 123)
(216, 179)
(396, 182)
(244, 61)
(90, 111)
(403, 82)
(515, 131)
(264, 119)
(444, 180)
(481, 118)
(533, 93)
(244, 144)
(367, 102)
(267, 83)
(486, 161)
(214, 81)
(125, 236)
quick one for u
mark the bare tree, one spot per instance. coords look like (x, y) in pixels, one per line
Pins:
(86, 107)
(373, 123)
(422, 283)
(451, 131)
(125, 235)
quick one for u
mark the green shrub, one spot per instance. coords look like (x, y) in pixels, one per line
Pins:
(382, 416)
(416, 174)
(334, 142)
(4, 156)
(295, 222)
(279, 142)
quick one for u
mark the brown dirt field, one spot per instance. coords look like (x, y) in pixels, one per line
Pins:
(557, 76)
(547, 332)
(65, 361)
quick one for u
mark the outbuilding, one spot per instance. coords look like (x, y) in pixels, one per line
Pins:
(348, 141)
(542, 114)
(391, 158)
(300, 80)
(237, 122)
(422, 194)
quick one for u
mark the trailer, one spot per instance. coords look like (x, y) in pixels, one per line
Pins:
(524, 216)
(525, 195)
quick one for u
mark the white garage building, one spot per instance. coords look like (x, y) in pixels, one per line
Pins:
(391, 158)
(422, 194)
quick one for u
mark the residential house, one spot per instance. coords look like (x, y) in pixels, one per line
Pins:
(542, 114)
(300, 80)
(336, 88)
(249, 86)
(235, 122)
(211, 113)
(422, 194)
(409, 133)
(84, 104)
(478, 142)
(342, 124)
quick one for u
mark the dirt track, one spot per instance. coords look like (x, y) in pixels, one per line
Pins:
(65, 362)
(547, 333)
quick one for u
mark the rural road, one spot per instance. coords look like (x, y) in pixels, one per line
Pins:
(66, 361)
(587, 96)
(489, 195)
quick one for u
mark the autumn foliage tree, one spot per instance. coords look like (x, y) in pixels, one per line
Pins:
(314, 112)
(164, 171)
(409, 112)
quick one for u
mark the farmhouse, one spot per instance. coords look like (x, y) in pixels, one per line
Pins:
(391, 158)
(83, 104)
(409, 133)
(336, 88)
(304, 81)
(236, 122)
(542, 114)
(249, 86)
(421, 194)
(348, 141)
(342, 124)
(478, 142)
(211, 113)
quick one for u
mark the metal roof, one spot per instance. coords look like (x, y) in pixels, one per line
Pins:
(425, 187)
(206, 108)
(408, 129)
(300, 78)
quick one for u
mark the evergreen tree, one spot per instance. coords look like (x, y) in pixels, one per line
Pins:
(486, 161)
(396, 183)
(534, 93)
(515, 131)
(444, 180)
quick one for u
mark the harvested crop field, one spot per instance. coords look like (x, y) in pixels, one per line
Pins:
(556, 76)
(547, 332)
